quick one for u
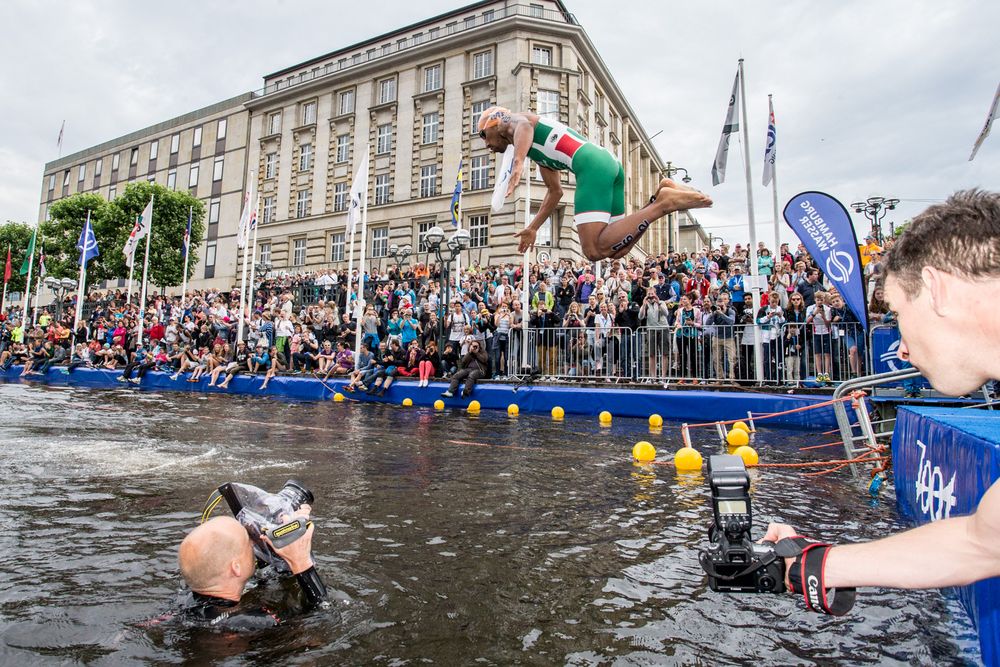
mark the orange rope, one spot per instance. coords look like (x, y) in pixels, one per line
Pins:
(853, 396)
(829, 444)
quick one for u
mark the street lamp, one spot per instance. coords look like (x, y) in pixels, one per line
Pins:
(875, 208)
(458, 242)
(673, 222)
(59, 287)
(399, 255)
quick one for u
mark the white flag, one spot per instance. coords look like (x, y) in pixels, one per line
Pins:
(359, 194)
(731, 126)
(986, 128)
(139, 231)
(503, 179)
(247, 217)
(772, 138)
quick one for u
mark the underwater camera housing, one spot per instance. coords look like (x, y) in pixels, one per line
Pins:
(733, 562)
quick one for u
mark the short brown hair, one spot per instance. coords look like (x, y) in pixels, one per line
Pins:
(960, 236)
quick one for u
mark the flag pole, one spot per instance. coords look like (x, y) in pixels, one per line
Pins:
(253, 262)
(38, 281)
(525, 317)
(774, 189)
(83, 278)
(360, 310)
(145, 271)
(458, 226)
(752, 250)
(131, 268)
(187, 254)
(27, 284)
(3, 299)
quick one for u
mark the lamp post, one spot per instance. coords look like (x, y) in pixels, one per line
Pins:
(399, 255)
(672, 221)
(875, 208)
(458, 242)
(59, 287)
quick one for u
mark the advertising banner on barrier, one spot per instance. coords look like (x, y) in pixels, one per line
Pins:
(824, 226)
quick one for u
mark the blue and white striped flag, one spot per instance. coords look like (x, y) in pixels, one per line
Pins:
(772, 138)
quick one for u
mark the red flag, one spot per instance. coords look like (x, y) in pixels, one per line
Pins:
(6, 270)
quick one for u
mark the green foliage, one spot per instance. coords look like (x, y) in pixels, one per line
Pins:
(113, 222)
(17, 235)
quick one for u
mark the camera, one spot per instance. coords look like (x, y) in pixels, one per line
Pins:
(733, 562)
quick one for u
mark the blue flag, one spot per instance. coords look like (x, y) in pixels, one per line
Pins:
(456, 197)
(825, 228)
(87, 245)
(187, 235)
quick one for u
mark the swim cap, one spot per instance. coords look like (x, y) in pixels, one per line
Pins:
(493, 116)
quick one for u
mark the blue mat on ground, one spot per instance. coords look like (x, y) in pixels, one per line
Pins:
(687, 405)
(944, 460)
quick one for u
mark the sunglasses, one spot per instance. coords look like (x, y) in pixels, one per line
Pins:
(482, 134)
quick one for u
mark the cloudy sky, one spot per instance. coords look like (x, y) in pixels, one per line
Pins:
(871, 98)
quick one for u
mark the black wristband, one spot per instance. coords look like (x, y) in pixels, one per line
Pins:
(806, 575)
(313, 587)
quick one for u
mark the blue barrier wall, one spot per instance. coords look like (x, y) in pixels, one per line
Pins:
(690, 406)
(943, 460)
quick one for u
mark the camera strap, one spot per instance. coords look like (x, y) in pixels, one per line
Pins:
(806, 576)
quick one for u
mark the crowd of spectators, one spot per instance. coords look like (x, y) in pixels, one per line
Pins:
(682, 316)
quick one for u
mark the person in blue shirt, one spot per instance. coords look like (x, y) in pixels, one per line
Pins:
(736, 291)
(409, 328)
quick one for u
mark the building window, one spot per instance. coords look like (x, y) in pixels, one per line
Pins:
(541, 55)
(428, 180)
(544, 236)
(343, 147)
(98, 168)
(133, 158)
(308, 113)
(154, 150)
(302, 203)
(274, 123)
(482, 64)
(83, 172)
(479, 174)
(488, 15)
(380, 241)
(268, 214)
(340, 197)
(477, 110)
(217, 168)
(213, 211)
(210, 258)
(175, 144)
(299, 252)
(112, 192)
(305, 157)
(548, 104)
(52, 181)
(479, 230)
(386, 91)
(381, 189)
(432, 78)
(193, 176)
(346, 102)
(265, 253)
(270, 164)
(430, 133)
(422, 230)
(171, 179)
(114, 161)
(536, 11)
(196, 141)
(220, 129)
(383, 141)
(470, 22)
(337, 247)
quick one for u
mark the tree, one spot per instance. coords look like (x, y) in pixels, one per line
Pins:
(17, 235)
(62, 232)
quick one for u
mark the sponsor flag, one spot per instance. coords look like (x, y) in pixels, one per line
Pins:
(986, 128)
(7, 268)
(139, 231)
(359, 194)
(87, 245)
(769, 152)
(247, 217)
(187, 235)
(60, 138)
(41, 260)
(29, 256)
(825, 228)
(731, 126)
(456, 197)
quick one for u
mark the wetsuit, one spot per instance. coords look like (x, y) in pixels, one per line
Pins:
(207, 611)
(600, 178)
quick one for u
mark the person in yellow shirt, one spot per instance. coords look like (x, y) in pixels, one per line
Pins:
(867, 249)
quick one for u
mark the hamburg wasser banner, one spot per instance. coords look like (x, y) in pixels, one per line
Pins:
(824, 226)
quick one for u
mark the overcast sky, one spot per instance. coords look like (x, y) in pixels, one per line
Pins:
(871, 98)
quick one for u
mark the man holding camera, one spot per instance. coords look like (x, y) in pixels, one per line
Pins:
(944, 267)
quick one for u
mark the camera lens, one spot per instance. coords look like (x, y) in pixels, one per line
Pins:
(297, 493)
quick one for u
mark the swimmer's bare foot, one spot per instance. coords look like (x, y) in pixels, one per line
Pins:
(673, 196)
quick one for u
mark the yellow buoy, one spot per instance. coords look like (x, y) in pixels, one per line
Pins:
(748, 454)
(513, 410)
(643, 452)
(687, 459)
(741, 426)
(604, 418)
(473, 407)
(439, 404)
(558, 413)
(656, 421)
(407, 402)
(338, 397)
(737, 438)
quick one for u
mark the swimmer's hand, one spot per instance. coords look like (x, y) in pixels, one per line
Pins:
(776, 532)
(526, 239)
(298, 554)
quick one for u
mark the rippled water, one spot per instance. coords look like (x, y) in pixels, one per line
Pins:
(445, 538)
